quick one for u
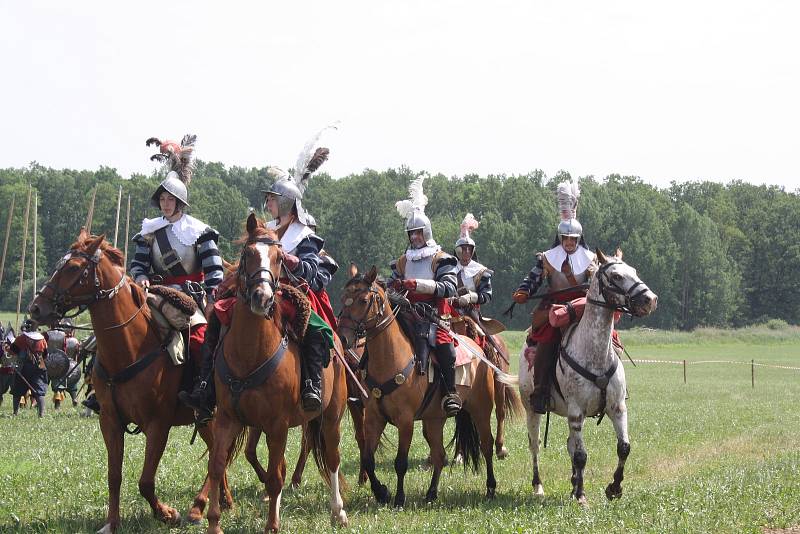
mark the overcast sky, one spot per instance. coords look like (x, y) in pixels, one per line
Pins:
(666, 91)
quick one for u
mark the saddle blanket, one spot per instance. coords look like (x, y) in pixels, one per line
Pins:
(466, 362)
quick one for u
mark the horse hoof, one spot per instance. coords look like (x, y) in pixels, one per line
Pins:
(362, 478)
(175, 518)
(107, 529)
(383, 495)
(583, 502)
(612, 493)
(431, 497)
(340, 519)
(490, 493)
(399, 500)
(502, 453)
(458, 460)
(538, 490)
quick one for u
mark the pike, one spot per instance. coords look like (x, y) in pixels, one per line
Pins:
(8, 233)
(24, 246)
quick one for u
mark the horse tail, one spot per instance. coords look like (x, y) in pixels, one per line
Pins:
(513, 403)
(505, 378)
(317, 442)
(237, 445)
(467, 441)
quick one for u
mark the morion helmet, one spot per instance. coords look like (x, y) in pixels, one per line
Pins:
(413, 210)
(179, 159)
(469, 224)
(567, 197)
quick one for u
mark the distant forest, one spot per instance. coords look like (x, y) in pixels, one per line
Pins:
(716, 254)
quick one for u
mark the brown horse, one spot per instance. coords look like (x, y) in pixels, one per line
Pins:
(403, 394)
(256, 342)
(506, 399)
(134, 379)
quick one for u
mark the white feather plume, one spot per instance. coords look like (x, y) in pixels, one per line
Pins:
(469, 224)
(567, 195)
(299, 172)
(416, 198)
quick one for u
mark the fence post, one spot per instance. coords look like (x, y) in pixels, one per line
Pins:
(684, 371)
(753, 373)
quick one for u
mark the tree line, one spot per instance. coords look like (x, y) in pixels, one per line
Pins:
(716, 254)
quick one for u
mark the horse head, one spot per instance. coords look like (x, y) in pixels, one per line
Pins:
(86, 274)
(619, 285)
(363, 306)
(259, 267)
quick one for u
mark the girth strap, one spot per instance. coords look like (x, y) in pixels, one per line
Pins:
(124, 376)
(600, 381)
(260, 375)
(378, 390)
(168, 255)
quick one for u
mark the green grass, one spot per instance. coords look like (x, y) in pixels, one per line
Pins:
(711, 455)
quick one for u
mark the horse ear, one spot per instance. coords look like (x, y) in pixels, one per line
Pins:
(252, 223)
(600, 256)
(353, 271)
(83, 234)
(95, 243)
(618, 253)
(371, 275)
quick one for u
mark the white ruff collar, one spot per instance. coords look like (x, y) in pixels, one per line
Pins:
(36, 336)
(295, 233)
(471, 269)
(579, 260)
(187, 229)
(416, 254)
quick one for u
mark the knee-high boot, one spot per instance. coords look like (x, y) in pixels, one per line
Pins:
(315, 352)
(203, 398)
(446, 355)
(542, 369)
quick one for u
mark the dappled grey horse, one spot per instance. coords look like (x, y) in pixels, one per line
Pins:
(590, 381)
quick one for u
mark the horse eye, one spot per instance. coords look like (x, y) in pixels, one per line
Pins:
(617, 276)
(364, 300)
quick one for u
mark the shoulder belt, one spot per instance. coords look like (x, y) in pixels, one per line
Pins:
(477, 278)
(168, 254)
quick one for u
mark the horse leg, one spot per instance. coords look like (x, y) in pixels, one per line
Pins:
(433, 430)
(276, 473)
(619, 418)
(154, 448)
(225, 431)
(196, 511)
(332, 435)
(305, 448)
(115, 444)
(577, 452)
(483, 422)
(405, 432)
(250, 452)
(356, 409)
(534, 422)
(500, 415)
(373, 429)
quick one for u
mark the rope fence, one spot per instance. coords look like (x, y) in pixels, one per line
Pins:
(751, 363)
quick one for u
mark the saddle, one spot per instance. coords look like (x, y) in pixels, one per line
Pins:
(174, 313)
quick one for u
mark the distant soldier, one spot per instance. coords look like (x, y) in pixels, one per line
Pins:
(7, 360)
(63, 339)
(30, 348)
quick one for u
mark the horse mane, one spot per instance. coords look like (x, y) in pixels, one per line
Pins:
(114, 254)
(361, 278)
(258, 232)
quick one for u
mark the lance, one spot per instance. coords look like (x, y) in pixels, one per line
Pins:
(116, 224)
(90, 214)
(127, 224)
(8, 233)
(35, 239)
(24, 246)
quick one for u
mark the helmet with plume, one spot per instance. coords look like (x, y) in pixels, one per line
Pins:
(468, 225)
(290, 186)
(179, 161)
(413, 210)
(567, 195)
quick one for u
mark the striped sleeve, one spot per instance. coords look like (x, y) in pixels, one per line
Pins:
(210, 259)
(140, 264)
(327, 268)
(533, 281)
(446, 277)
(484, 287)
(307, 251)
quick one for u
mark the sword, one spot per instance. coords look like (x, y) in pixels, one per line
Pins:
(350, 371)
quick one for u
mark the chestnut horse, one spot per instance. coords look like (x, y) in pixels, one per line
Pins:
(134, 379)
(402, 395)
(271, 402)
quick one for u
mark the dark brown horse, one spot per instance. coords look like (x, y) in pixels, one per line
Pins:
(257, 343)
(402, 395)
(134, 379)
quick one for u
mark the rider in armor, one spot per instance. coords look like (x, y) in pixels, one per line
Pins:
(564, 267)
(62, 338)
(428, 275)
(302, 263)
(474, 279)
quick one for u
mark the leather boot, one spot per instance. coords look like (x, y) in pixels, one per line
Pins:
(202, 399)
(446, 355)
(542, 369)
(315, 350)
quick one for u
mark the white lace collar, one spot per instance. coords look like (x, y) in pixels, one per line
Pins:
(416, 254)
(471, 269)
(187, 229)
(295, 233)
(36, 336)
(578, 260)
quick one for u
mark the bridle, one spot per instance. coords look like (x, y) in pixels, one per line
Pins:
(62, 301)
(247, 282)
(607, 285)
(361, 327)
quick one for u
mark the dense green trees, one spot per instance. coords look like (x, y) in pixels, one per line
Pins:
(716, 254)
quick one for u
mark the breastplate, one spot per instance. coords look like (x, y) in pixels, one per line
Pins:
(420, 269)
(187, 255)
(55, 339)
(559, 280)
(71, 347)
(466, 281)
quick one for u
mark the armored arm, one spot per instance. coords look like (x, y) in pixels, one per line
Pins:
(307, 252)
(484, 287)
(531, 283)
(210, 259)
(140, 264)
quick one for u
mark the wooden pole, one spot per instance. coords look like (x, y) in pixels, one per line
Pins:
(90, 214)
(35, 239)
(684, 371)
(8, 233)
(127, 235)
(24, 246)
(753, 373)
(116, 224)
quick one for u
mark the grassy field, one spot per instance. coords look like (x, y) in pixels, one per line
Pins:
(711, 455)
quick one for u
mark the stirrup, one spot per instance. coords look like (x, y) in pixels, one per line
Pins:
(311, 397)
